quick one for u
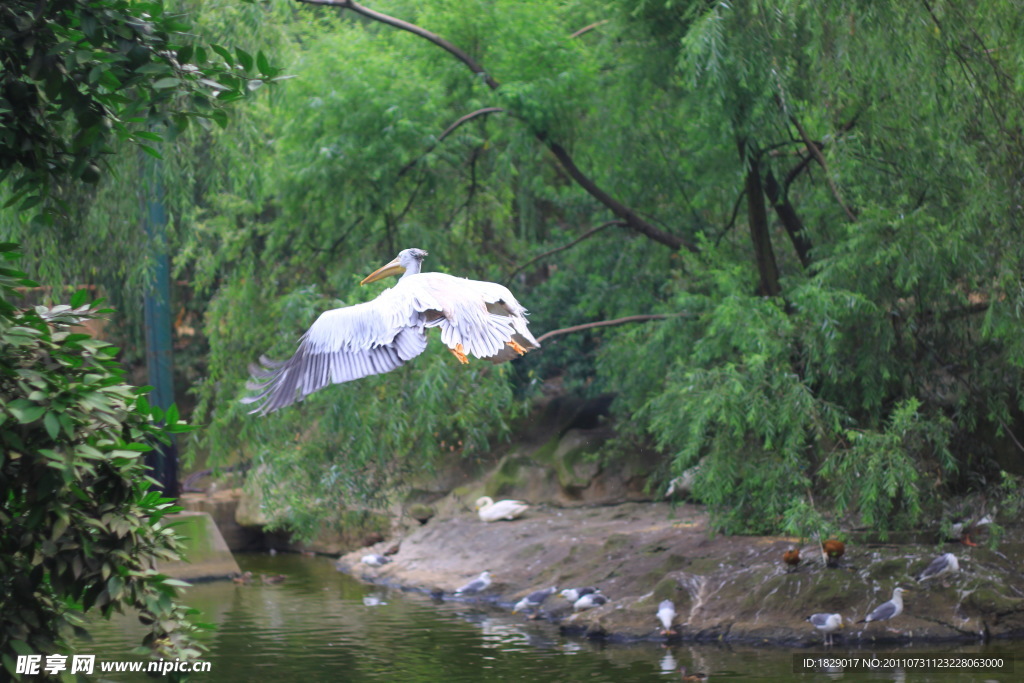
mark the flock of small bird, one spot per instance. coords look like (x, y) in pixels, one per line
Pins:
(587, 597)
(832, 550)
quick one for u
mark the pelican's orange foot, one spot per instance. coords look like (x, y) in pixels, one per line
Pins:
(459, 353)
(517, 347)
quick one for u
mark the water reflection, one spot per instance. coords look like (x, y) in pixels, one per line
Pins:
(318, 624)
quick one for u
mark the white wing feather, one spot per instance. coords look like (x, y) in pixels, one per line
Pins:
(379, 336)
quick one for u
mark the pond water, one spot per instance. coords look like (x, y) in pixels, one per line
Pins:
(321, 625)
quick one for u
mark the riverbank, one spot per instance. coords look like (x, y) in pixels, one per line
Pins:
(734, 589)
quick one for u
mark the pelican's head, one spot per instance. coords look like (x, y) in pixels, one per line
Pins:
(408, 261)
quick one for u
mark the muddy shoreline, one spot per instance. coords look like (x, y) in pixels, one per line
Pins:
(725, 589)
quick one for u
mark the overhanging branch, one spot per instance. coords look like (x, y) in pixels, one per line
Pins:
(632, 219)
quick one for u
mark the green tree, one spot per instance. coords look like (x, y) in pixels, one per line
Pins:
(81, 530)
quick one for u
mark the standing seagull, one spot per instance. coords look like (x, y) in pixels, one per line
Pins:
(887, 610)
(943, 564)
(477, 585)
(476, 318)
(666, 613)
(827, 624)
(533, 601)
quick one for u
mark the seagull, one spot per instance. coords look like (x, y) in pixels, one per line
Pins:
(666, 613)
(477, 585)
(887, 610)
(943, 564)
(574, 594)
(490, 511)
(589, 600)
(375, 560)
(827, 624)
(533, 601)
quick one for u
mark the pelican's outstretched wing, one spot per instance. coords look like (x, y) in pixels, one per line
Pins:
(484, 317)
(342, 345)
(476, 318)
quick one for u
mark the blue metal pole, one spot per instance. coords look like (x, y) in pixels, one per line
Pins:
(163, 461)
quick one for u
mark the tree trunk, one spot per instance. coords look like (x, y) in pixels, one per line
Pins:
(757, 217)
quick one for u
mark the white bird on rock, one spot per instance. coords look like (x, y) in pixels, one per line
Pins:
(666, 613)
(827, 624)
(533, 601)
(941, 565)
(476, 318)
(887, 610)
(477, 585)
(574, 594)
(375, 560)
(490, 511)
(588, 601)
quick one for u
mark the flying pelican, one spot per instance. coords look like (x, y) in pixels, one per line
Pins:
(476, 318)
(826, 623)
(887, 610)
(490, 511)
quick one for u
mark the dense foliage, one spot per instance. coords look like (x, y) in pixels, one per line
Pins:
(82, 82)
(81, 530)
(823, 198)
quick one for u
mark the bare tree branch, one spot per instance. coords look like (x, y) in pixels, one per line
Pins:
(813, 148)
(589, 28)
(448, 131)
(632, 219)
(411, 28)
(579, 239)
(609, 323)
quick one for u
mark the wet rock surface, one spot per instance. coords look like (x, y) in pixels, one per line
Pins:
(733, 589)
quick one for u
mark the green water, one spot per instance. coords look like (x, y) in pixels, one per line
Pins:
(321, 625)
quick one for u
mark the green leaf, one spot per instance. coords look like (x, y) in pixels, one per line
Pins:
(167, 83)
(244, 58)
(52, 424)
(24, 411)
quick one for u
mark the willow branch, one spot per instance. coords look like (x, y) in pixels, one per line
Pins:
(576, 241)
(411, 28)
(820, 158)
(587, 29)
(448, 131)
(632, 219)
(609, 323)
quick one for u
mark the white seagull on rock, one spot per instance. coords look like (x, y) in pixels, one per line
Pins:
(941, 565)
(477, 585)
(827, 624)
(589, 601)
(666, 613)
(887, 610)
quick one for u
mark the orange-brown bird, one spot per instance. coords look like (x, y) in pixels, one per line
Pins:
(792, 558)
(831, 551)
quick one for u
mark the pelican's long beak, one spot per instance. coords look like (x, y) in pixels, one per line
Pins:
(392, 268)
